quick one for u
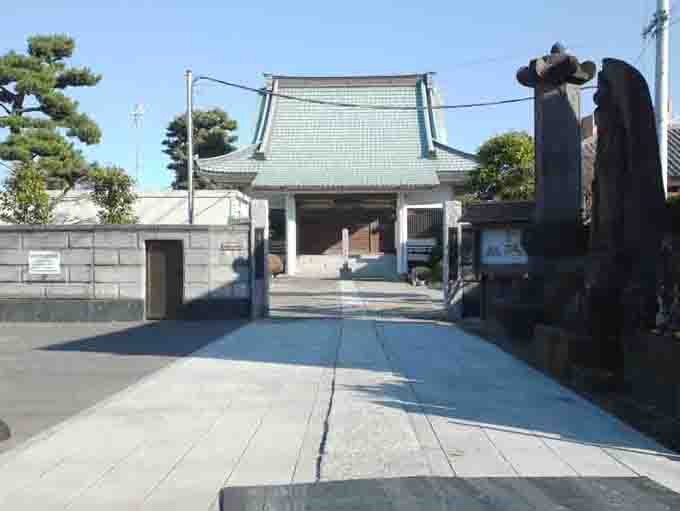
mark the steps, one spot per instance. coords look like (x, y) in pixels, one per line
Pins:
(373, 266)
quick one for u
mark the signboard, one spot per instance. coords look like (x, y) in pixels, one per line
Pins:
(231, 245)
(502, 246)
(44, 262)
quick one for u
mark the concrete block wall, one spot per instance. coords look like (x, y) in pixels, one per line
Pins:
(108, 263)
(216, 264)
(77, 270)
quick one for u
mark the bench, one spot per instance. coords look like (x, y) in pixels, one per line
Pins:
(418, 251)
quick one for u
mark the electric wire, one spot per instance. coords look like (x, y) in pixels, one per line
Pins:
(365, 106)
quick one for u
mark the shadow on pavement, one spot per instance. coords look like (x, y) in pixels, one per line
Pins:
(447, 373)
(479, 494)
(162, 338)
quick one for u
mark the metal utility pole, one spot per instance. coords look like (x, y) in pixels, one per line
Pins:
(190, 148)
(659, 26)
(663, 15)
(137, 115)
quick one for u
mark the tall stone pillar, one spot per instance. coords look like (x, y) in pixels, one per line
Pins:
(557, 234)
(557, 113)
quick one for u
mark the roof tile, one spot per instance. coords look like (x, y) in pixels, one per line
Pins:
(314, 145)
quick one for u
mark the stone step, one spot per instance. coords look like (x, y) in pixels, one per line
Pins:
(331, 266)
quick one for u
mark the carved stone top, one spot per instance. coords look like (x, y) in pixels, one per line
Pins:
(556, 69)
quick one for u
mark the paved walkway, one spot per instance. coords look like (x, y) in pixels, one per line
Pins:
(303, 400)
(50, 372)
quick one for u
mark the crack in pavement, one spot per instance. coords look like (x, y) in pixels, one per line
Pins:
(326, 422)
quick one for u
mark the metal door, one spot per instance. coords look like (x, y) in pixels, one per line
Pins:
(164, 278)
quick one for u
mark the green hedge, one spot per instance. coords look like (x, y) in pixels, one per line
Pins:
(437, 272)
(436, 256)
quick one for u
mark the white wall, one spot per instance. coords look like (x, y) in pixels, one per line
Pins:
(430, 198)
(211, 207)
(277, 200)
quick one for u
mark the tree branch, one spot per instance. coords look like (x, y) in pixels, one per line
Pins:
(28, 110)
(9, 112)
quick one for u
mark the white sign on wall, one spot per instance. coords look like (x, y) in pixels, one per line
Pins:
(44, 262)
(503, 246)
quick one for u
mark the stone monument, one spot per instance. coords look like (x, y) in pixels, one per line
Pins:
(628, 214)
(556, 243)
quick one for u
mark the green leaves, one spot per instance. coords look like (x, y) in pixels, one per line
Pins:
(48, 151)
(40, 117)
(25, 199)
(84, 129)
(506, 168)
(57, 106)
(212, 136)
(51, 48)
(77, 77)
(113, 194)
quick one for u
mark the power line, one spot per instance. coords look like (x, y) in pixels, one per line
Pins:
(369, 107)
(645, 46)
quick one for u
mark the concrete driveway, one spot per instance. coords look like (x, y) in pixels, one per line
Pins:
(49, 372)
(354, 405)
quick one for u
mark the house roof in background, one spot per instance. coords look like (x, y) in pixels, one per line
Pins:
(674, 148)
(307, 145)
(589, 148)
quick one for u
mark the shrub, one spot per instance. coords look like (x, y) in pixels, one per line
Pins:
(422, 273)
(436, 255)
(437, 272)
(113, 195)
(24, 199)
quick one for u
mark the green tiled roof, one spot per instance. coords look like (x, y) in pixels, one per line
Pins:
(321, 146)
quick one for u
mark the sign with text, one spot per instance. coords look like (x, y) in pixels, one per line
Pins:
(502, 246)
(230, 245)
(44, 262)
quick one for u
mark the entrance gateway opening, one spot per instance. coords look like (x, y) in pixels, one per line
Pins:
(164, 278)
(368, 218)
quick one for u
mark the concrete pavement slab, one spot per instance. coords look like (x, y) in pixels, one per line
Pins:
(51, 372)
(291, 401)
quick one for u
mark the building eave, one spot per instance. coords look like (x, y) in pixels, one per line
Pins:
(399, 80)
(343, 189)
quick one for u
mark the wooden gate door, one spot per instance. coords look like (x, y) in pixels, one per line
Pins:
(164, 278)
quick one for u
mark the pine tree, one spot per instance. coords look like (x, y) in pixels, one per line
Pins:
(43, 122)
(212, 136)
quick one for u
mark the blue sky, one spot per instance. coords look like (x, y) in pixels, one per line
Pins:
(142, 48)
